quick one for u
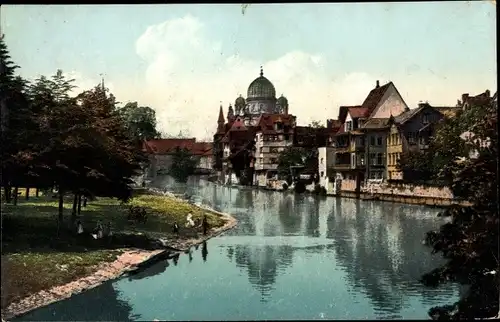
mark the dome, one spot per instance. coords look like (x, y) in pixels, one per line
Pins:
(239, 101)
(282, 100)
(261, 88)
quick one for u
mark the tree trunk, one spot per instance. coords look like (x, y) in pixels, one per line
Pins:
(37, 192)
(61, 203)
(7, 191)
(73, 211)
(84, 201)
(27, 193)
(79, 204)
(16, 191)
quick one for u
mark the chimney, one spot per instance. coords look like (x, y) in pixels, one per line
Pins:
(378, 84)
(464, 97)
(329, 123)
(487, 92)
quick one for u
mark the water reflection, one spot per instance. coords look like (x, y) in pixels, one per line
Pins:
(98, 304)
(204, 251)
(290, 257)
(377, 244)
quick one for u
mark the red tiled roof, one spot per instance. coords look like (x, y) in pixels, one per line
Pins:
(202, 148)
(357, 112)
(374, 97)
(343, 112)
(265, 123)
(164, 146)
(238, 125)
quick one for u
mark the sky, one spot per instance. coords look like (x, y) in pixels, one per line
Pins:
(183, 60)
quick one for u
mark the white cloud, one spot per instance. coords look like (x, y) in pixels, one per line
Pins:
(83, 83)
(187, 77)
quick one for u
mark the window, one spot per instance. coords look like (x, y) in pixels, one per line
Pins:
(425, 119)
(379, 159)
(362, 141)
(379, 140)
(411, 137)
(287, 137)
(353, 159)
(422, 140)
(260, 149)
(322, 174)
(321, 161)
(372, 158)
(362, 159)
(372, 140)
(348, 126)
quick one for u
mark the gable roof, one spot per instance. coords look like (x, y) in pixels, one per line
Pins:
(357, 112)
(409, 114)
(265, 123)
(238, 125)
(343, 110)
(376, 123)
(375, 96)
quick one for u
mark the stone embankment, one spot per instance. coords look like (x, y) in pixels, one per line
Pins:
(129, 261)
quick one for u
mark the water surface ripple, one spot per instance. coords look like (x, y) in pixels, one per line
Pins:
(290, 257)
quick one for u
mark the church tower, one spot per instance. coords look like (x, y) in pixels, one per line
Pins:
(230, 113)
(220, 120)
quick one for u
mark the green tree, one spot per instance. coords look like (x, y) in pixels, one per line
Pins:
(295, 156)
(16, 124)
(444, 148)
(183, 164)
(469, 241)
(316, 124)
(140, 121)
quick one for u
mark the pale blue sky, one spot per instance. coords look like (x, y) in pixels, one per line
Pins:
(432, 51)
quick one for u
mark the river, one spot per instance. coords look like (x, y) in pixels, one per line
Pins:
(290, 257)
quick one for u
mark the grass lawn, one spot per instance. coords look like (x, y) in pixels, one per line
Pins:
(35, 258)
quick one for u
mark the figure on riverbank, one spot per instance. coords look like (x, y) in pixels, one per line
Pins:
(189, 221)
(205, 224)
(79, 227)
(204, 251)
(107, 231)
(176, 228)
(98, 231)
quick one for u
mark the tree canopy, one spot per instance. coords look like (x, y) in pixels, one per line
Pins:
(140, 121)
(464, 154)
(80, 144)
(183, 164)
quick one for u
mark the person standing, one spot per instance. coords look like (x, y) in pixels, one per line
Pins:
(205, 224)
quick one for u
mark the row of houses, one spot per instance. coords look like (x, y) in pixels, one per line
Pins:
(372, 137)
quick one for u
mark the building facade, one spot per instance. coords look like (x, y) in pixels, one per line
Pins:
(252, 133)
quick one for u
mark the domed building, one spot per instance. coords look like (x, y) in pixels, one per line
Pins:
(261, 99)
(237, 134)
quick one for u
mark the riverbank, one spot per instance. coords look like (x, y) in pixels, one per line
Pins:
(75, 273)
(430, 199)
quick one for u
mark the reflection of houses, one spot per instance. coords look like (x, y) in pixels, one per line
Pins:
(262, 263)
(382, 252)
(160, 153)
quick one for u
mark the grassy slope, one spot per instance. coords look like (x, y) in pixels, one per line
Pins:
(34, 258)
